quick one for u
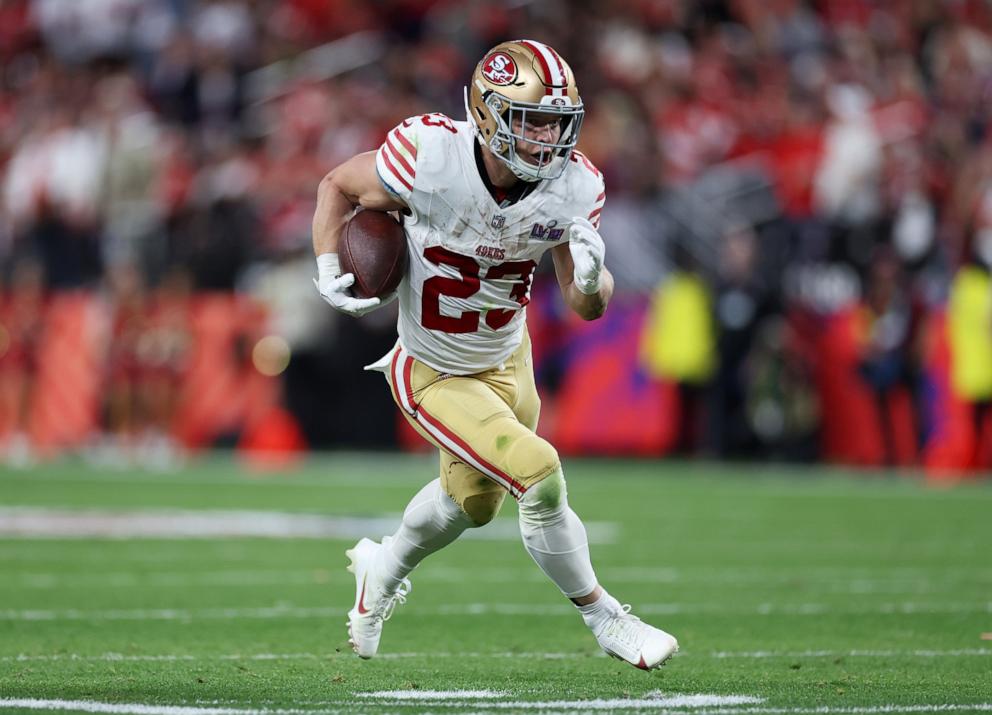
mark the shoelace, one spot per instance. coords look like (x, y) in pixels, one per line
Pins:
(626, 628)
(384, 609)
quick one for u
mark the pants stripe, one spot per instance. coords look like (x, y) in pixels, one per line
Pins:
(401, 370)
(458, 447)
(402, 389)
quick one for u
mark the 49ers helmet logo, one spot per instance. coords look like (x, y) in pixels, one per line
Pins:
(499, 68)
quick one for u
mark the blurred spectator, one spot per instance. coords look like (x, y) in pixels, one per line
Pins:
(125, 414)
(164, 353)
(21, 327)
(846, 187)
(970, 331)
(741, 302)
(783, 410)
(678, 344)
(889, 345)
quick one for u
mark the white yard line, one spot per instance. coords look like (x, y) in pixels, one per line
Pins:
(38, 522)
(695, 704)
(419, 695)
(854, 710)
(172, 614)
(132, 708)
(956, 653)
(181, 579)
(744, 655)
(656, 702)
(125, 579)
(482, 609)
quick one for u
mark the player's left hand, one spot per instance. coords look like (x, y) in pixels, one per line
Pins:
(588, 253)
(335, 293)
(334, 288)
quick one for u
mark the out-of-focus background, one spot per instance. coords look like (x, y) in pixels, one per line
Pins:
(799, 219)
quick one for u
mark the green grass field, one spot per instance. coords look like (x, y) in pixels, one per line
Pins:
(793, 590)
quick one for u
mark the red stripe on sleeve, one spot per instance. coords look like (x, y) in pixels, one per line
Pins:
(394, 172)
(399, 157)
(407, 144)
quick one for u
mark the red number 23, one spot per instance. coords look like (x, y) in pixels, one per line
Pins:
(466, 286)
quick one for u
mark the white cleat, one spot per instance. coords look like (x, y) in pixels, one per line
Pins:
(372, 604)
(628, 638)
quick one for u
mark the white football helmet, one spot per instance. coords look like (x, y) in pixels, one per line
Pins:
(516, 78)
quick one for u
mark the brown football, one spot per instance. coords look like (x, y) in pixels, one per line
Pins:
(373, 247)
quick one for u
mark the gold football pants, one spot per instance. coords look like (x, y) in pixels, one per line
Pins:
(483, 424)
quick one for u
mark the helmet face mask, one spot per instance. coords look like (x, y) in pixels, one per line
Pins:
(513, 83)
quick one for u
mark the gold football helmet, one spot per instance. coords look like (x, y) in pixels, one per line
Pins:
(516, 79)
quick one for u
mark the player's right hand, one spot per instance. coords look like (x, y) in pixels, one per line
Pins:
(334, 288)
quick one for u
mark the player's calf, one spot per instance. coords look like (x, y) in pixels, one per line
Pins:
(555, 537)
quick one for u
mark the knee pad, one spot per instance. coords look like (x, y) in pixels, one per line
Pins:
(530, 459)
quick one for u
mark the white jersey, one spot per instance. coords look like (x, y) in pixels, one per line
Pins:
(463, 300)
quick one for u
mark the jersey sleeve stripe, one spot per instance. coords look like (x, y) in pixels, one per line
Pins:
(407, 144)
(400, 158)
(393, 170)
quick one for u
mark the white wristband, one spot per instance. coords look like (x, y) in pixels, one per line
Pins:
(328, 266)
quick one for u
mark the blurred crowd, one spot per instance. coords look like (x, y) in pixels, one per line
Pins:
(770, 164)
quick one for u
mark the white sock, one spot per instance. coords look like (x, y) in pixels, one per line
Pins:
(597, 614)
(555, 537)
(431, 521)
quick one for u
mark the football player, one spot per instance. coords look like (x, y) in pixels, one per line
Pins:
(482, 201)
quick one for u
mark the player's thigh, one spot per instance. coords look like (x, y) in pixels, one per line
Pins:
(472, 422)
(516, 386)
(469, 419)
(527, 406)
(475, 493)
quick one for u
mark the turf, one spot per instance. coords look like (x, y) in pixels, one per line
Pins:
(798, 588)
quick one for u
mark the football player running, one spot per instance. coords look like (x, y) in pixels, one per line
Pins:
(482, 201)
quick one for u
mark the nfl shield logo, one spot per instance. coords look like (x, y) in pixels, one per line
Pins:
(497, 221)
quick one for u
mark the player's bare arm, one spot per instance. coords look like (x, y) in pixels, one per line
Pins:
(353, 183)
(588, 306)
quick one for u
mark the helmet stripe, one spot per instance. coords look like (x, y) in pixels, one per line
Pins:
(554, 73)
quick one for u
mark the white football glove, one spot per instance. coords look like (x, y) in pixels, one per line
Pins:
(588, 252)
(333, 288)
